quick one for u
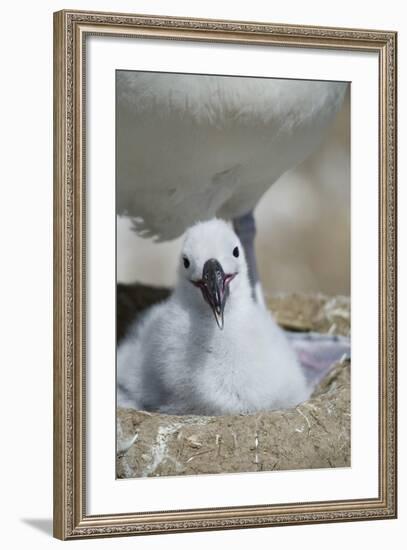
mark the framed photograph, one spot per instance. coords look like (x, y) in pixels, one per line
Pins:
(225, 274)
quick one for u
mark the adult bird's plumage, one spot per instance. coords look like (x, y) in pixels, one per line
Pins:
(192, 147)
(209, 348)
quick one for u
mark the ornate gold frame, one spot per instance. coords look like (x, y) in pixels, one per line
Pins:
(70, 31)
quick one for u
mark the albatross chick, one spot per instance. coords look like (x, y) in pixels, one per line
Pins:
(210, 348)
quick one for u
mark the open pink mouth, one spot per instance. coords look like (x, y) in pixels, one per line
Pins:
(200, 283)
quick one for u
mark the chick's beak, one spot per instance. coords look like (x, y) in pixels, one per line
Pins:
(215, 288)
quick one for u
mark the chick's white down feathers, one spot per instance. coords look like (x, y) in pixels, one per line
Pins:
(176, 360)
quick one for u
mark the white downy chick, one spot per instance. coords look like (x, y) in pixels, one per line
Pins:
(209, 349)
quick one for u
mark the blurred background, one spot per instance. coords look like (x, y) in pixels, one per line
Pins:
(303, 224)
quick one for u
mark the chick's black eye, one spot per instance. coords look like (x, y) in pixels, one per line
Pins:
(186, 262)
(236, 252)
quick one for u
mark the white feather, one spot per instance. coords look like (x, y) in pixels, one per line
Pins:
(192, 147)
(177, 360)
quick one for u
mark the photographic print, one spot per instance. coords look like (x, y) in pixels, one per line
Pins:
(233, 274)
(224, 248)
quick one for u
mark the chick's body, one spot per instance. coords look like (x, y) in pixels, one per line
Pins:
(178, 361)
